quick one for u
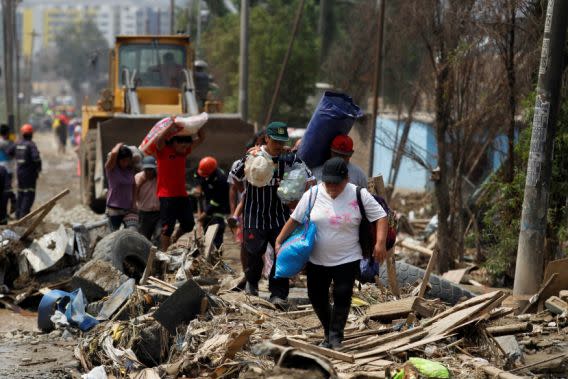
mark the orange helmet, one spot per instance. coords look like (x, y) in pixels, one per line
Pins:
(207, 166)
(27, 129)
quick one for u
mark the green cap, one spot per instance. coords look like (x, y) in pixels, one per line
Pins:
(278, 131)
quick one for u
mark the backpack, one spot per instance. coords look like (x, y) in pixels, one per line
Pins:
(368, 230)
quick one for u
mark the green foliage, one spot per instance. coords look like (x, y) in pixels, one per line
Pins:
(270, 31)
(501, 221)
(81, 54)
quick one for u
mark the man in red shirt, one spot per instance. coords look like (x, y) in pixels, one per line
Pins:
(174, 201)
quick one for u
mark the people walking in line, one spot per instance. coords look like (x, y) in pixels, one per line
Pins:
(147, 200)
(264, 214)
(28, 161)
(337, 252)
(120, 205)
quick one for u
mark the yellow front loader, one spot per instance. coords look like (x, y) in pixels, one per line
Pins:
(151, 77)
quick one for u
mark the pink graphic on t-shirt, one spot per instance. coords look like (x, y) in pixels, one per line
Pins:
(354, 205)
(335, 220)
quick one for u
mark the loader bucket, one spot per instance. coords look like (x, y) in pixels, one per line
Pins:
(225, 138)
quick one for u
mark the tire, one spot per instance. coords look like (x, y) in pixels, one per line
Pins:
(441, 288)
(88, 161)
(126, 250)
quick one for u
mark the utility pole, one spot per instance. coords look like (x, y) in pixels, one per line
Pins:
(530, 260)
(376, 83)
(243, 63)
(8, 15)
(198, 39)
(172, 15)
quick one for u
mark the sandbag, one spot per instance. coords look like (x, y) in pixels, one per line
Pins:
(170, 127)
(334, 115)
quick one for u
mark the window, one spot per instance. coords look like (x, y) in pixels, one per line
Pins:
(156, 65)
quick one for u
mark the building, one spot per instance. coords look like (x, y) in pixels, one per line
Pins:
(40, 21)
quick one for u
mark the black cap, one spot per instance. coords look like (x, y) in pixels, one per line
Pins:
(335, 170)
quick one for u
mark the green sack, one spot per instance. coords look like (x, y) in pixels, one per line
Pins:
(430, 369)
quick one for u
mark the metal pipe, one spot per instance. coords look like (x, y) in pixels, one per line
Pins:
(243, 63)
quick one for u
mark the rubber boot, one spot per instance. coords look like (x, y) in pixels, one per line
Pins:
(337, 326)
(324, 314)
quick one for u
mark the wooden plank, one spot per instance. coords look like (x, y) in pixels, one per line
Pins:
(149, 265)
(209, 237)
(518, 327)
(419, 249)
(455, 276)
(392, 309)
(384, 348)
(30, 229)
(349, 358)
(41, 208)
(422, 342)
(536, 364)
(431, 263)
(388, 338)
(465, 304)
(493, 371)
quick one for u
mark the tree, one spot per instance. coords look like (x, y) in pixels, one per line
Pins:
(270, 25)
(81, 57)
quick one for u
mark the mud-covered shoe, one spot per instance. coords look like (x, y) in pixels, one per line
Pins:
(279, 303)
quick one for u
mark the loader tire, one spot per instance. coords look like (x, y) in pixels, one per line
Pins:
(126, 250)
(441, 288)
(88, 161)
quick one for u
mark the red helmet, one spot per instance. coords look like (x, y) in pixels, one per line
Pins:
(207, 166)
(342, 144)
(27, 129)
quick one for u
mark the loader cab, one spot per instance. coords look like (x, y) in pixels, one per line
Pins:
(155, 66)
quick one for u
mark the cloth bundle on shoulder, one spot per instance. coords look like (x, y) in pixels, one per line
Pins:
(171, 126)
(334, 115)
(295, 251)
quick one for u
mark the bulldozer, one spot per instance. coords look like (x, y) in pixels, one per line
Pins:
(150, 78)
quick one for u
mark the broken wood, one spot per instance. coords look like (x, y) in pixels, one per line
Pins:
(431, 263)
(537, 364)
(41, 208)
(533, 301)
(392, 309)
(149, 265)
(349, 358)
(520, 327)
(376, 186)
(488, 368)
(455, 276)
(417, 248)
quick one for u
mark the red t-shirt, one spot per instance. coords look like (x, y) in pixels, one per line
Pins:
(171, 172)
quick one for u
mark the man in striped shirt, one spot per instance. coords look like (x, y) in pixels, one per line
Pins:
(264, 214)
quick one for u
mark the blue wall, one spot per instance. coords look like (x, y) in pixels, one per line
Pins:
(421, 138)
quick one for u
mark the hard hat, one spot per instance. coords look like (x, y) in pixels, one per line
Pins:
(342, 144)
(27, 129)
(149, 162)
(259, 170)
(207, 166)
(200, 63)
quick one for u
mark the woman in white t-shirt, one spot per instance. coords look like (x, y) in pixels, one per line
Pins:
(337, 251)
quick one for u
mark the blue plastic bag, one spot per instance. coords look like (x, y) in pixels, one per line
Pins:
(334, 115)
(295, 251)
(369, 269)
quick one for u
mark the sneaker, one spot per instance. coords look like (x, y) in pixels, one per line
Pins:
(251, 289)
(279, 302)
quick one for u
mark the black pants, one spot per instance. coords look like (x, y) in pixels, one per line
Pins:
(148, 223)
(319, 281)
(174, 209)
(26, 198)
(256, 241)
